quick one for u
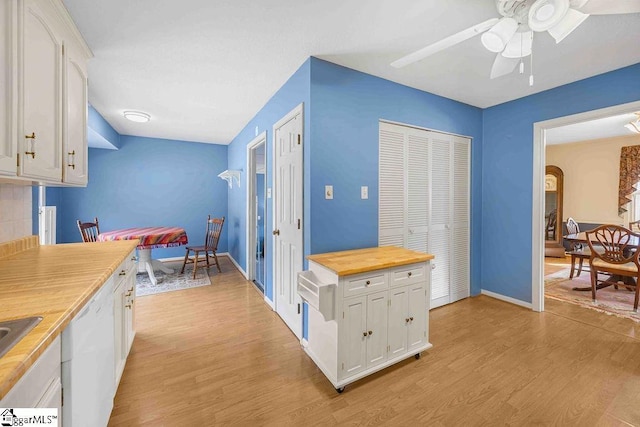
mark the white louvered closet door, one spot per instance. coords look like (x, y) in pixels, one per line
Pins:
(391, 186)
(440, 218)
(460, 236)
(417, 190)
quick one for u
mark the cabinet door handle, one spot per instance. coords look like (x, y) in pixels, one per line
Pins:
(370, 333)
(406, 320)
(409, 274)
(364, 334)
(128, 305)
(128, 294)
(71, 161)
(122, 273)
(276, 232)
(368, 283)
(411, 318)
(31, 153)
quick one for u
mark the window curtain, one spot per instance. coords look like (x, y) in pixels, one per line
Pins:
(629, 175)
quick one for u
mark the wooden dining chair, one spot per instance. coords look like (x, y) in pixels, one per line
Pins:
(614, 250)
(212, 236)
(578, 250)
(89, 230)
(551, 225)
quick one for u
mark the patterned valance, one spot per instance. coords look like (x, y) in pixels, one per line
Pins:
(629, 175)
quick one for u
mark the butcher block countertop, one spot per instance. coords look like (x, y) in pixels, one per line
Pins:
(355, 261)
(54, 282)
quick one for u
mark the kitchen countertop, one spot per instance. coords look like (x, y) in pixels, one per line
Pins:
(355, 261)
(55, 282)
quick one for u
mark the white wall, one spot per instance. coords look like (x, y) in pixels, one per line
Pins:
(15, 212)
(591, 175)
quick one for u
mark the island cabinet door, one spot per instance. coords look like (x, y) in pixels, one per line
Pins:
(377, 315)
(398, 321)
(354, 336)
(417, 315)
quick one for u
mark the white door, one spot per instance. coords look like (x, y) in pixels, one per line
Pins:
(398, 303)
(75, 126)
(288, 218)
(376, 328)
(460, 233)
(41, 133)
(8, 149)
(417, 316)
(354, 356)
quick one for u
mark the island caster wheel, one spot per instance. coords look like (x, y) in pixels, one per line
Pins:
(417, 356)
(340, 390)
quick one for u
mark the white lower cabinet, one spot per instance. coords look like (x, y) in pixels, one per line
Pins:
(378, 318)
(123, 313)
(40, 386)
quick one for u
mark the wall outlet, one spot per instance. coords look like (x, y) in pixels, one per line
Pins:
(328, 192)
(364, 192)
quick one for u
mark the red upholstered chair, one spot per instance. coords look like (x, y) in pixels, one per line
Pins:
(614, 250)
(212, 236)
(89, 230)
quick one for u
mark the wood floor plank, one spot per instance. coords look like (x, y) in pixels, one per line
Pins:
(218, 355)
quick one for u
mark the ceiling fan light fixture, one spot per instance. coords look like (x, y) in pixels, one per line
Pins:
(499, 35)
(545, 14)
(572, 19)
(137, 116)
(519, 46)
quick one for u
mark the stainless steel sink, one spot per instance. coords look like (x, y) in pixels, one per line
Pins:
(12, 331)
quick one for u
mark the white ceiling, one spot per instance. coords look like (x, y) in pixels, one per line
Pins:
(203, 68)
(608, 127)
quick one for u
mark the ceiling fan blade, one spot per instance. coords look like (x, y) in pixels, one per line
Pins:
(570, 22)
(503, 66)
(608, 7)
(444, 43)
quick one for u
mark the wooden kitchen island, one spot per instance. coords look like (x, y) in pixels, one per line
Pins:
(368, 309)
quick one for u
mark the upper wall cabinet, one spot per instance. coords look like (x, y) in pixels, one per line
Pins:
(51, 90)
(8, 88)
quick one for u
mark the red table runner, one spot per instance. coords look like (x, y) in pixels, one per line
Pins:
(150, 237)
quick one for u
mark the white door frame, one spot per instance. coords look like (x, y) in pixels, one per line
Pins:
(251, 209)
(539, 161)
(298, 110)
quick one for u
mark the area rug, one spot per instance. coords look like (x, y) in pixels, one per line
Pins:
(609, 300)
(171, 282)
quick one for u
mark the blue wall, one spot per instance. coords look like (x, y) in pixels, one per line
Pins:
(149, 182)
(292, 93)
(507, 171)
(100, 133)
(346, 108)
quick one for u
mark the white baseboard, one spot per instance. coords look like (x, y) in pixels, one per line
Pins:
(304, 343)
(171, 259)
(270, 303)
(507, 299)
(234, 262)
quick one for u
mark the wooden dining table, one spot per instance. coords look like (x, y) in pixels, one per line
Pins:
(149, 238)
(613, 280)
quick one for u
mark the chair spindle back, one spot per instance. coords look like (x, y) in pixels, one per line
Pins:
(614, 244)
(89, 230)
(214, 229)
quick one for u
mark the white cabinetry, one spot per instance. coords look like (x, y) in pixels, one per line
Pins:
(40, 386)
(44, 94)
(424, 202)
(379, 318)
(124, 313)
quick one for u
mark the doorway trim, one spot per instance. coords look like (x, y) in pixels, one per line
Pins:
(539, 160)
(251, 195)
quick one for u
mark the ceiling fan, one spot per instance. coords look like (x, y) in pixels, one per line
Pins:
(511, 36)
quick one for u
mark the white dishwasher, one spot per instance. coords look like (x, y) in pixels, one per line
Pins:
(87, 363)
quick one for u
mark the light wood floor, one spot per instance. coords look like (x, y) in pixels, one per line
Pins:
(218, 355)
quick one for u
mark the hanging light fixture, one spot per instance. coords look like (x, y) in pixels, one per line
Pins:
(499, 35)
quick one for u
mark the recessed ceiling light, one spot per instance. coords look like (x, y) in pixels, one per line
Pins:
(137, 116)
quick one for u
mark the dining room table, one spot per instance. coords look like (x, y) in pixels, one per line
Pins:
(581, 237)
(149, 238)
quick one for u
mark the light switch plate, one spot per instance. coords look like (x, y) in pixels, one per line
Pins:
(268, 193)
(328, 192)
(364, 192)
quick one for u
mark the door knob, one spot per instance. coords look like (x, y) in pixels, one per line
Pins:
(364, 334)
(276, 232)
